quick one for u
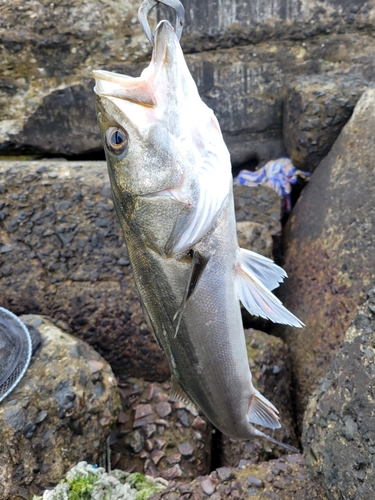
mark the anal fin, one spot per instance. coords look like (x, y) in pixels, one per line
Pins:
(262, 412)
(177, 394)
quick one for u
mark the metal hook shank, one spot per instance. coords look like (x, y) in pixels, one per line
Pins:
(148, 5)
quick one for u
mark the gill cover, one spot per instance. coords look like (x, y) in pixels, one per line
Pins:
(165, 98)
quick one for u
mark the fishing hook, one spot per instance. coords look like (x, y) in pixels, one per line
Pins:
(147, 6)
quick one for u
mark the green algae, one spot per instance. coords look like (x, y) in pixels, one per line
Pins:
(88, 482)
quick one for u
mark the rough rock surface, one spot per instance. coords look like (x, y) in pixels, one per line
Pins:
(269, 364)
(157, 436)
(258, 204)
(285, 478)
(245, 54)
(62, 255)
(329, 255)
(339, 435)
(60, 413)
(316, 109)
(256, 237)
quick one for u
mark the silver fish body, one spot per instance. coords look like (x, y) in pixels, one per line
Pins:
(172, 187)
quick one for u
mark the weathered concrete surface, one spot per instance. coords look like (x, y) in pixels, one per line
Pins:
(270, 368)
(339, 434)
(329, 256)
(245, 54)
(315, 110)
(62, 254)
(59, 414)
(283, 479)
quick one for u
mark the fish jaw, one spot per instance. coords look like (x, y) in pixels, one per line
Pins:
(176, 150)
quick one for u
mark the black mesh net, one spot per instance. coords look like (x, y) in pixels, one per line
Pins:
(15, 351)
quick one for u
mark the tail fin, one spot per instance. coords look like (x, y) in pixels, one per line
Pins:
(256, 276)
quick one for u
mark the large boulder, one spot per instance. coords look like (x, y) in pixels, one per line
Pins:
(329, 254)
(316, 109)
(339, 434)
(241, 54)
(59, 414)
(62, 254)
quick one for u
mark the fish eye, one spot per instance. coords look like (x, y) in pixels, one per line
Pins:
(117, 140)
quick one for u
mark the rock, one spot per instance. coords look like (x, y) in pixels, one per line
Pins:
(280, 479)
(329, 254)
(60, 413)
(339, 435)
(159, 447)
(269, 364)
(65, 260)
(241, 55)
(261, 205)
(256, 237)
(316, 109)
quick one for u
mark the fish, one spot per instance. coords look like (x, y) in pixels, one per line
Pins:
(170, 174)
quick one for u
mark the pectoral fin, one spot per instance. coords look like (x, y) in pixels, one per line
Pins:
(198, 264)
(254, 293)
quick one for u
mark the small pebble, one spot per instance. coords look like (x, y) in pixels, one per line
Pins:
(156, 456)
(172, 473)
(163, 409)
(199, 424)
(207, 486)
(254, 481)
(185, 449)
(224, 473)
(174, 459)
(142, 411)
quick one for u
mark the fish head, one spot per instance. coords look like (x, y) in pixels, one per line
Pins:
(162, 143)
